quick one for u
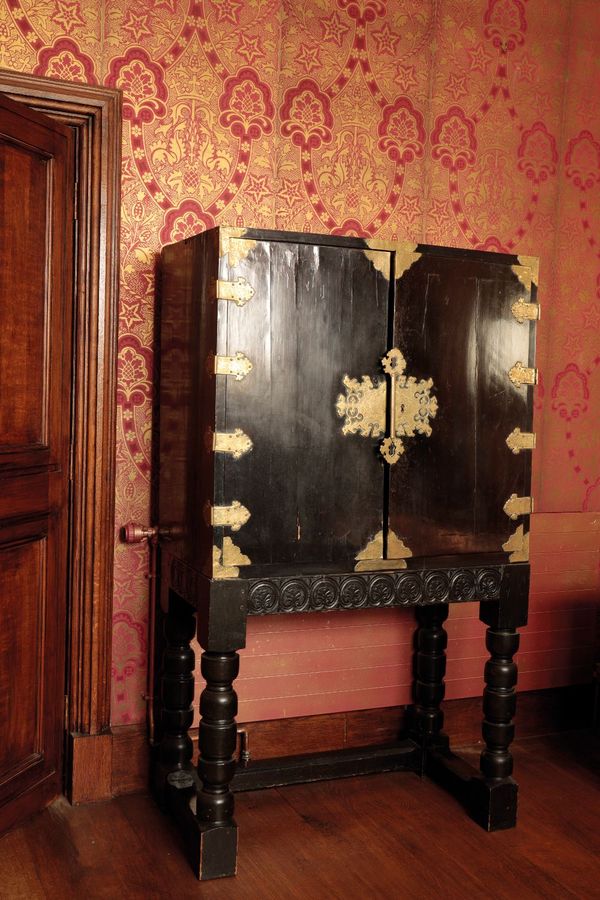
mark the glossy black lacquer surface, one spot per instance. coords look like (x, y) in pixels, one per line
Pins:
(319, 312)
(326, 307)
(453, 323)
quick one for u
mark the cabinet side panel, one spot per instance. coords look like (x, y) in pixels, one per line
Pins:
(187, 397)
(174, 387)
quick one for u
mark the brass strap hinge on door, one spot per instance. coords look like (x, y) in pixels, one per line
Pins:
(525, 311)
(239, 291)
(239, 366)
(520, 440)
(233, 516)
(235, 443)
(227, 559)
(518, 506)
(521, 375)
(363, 406)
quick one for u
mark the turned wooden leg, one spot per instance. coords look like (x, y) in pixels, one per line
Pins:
(429, 668)
(499, 703)
(490, 793)
(216, 766)
(495, 793)
(176, 693)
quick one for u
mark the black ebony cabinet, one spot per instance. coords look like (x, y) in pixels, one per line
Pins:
(343, 423)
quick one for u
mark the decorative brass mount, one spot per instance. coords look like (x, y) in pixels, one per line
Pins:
(517, 546)
(240, 291)
(524, 311)
(226, 561)
(371, 559)
(527, 271)
(518, 506)
(520, 375)
(233, 516)
(363, 407)
(239, 365)
(234, 245)
(380, 254)
(234, 442)
(520, 440)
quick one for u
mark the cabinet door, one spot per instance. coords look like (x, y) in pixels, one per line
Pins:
(453, 322)
(315, 494)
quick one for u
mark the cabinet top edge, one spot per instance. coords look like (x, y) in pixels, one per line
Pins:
(362, 243)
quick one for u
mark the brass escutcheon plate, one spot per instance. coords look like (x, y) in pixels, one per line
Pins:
(363, 407)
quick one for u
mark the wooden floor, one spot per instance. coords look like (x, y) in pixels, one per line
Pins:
(380, 836)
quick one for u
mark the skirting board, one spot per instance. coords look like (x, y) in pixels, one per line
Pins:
(103, 766)
(117, 763)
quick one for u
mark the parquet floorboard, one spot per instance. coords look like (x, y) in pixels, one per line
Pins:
(382, 836)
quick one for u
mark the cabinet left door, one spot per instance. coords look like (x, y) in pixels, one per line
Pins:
(314, 333)
(36, 302)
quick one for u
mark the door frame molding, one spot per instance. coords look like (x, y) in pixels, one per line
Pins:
(95, 114)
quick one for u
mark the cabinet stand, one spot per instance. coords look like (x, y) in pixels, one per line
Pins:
(202, 800)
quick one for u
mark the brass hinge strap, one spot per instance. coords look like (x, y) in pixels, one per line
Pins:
(234, 442)
(239, 365)
(240, 291)
(520, 375)
(520, 440)
(233, 516)
(518, 506)
(523, 311)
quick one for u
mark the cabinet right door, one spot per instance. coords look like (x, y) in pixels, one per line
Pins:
(465, 321)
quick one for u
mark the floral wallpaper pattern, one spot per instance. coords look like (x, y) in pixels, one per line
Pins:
(471, 123)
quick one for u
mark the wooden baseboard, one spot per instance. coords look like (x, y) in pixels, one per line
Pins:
(90, 767)
(130, 759)
(118, 763)
(102, 766)
(538, 713)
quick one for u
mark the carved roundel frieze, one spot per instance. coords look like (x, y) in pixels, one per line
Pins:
(329, 592)
(262, 598)
(437, 587)
(463, 585)
(488, 584)
(409, 589)
(294, 596)
(323, 594)
(353, 593)
(381, 590)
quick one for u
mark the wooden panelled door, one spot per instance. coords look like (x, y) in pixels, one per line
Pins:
(36, 311)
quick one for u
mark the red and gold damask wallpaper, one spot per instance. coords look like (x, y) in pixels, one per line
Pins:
(462, 122)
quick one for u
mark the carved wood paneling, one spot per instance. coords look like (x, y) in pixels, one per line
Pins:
(95, 114)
